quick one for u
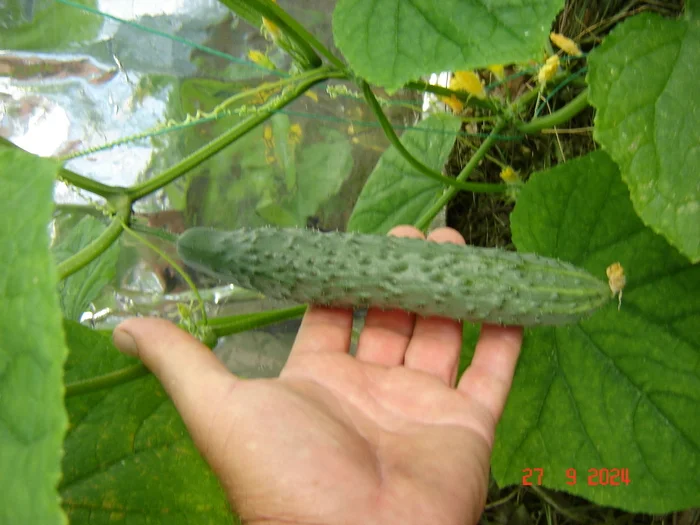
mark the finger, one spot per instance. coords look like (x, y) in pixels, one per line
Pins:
(488, 378)
(386, 333)
(323, 330)
(192, 375)
(437, 341)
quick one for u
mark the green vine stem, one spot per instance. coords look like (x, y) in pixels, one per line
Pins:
(306, 80)
(118, 377)
(200, 117)
(295, 30)
(456, 184)
(78, 180)
(201, 308)
(93, 250)
(87, 184)
(558, 117)
(465, 98)
(223, 326)
(423, 223)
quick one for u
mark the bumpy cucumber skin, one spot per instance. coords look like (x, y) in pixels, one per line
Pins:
(356, 270)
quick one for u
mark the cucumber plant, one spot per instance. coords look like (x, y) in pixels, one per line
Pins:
(615, 390)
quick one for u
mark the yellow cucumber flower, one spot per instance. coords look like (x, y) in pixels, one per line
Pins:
(567, 45)
(547, 72)
(509, 175)
(260, 58)
(466, 81)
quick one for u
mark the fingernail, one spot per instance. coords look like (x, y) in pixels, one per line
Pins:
(124, 342)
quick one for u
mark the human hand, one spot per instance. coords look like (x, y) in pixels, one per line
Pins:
(383, 437)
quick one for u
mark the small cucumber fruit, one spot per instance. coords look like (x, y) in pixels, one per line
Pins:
(356, 270)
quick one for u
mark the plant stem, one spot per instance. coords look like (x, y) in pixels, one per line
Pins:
(298, 43)
(223, 326)
(446, 92)
(76, 180)
(524, 99)
(307, 80)
(573, 108)
(294, 29)
(175, 266)
(477, 187)
(427, 218)
(93, 250)
(85, 183)
(80, 209)
(118, 377)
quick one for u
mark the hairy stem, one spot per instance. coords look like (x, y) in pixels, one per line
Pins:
(306, 80)
(118, 377)
(223, 326)
(558, 117)
(93, 250)
(427, 218)
(87, 184)
(477, 187)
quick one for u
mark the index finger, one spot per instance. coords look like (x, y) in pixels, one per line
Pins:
(489, 377)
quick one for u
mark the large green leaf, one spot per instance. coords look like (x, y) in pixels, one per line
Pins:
(622, 388)
(323, 168)
(46, 25)
(389, 42)
(32, 349)
(396, 193)
(129, 458)
(81, 288)
(644, 83)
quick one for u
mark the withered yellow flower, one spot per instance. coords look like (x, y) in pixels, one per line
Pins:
(567, 45)
(295, 134)
(616, 280)
(548, 70)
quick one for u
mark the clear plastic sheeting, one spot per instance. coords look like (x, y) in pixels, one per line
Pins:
(122, 90)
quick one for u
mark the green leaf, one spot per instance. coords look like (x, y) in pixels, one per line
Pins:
(242, 9)
(128, 456)
(622, 388)
(274, 213)
(643, 82)
(470, 336)
(32, 349)
(396, 193)
(50, 26)
(390, 42)
(323, 167)
(81, 288)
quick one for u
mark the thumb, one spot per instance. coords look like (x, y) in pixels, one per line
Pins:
(194, 378)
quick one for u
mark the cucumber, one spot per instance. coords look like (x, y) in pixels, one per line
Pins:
(356, 270)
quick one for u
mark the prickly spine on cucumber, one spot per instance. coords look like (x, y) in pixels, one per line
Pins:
(357, 270)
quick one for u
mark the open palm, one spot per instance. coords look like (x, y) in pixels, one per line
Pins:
(382, 437)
